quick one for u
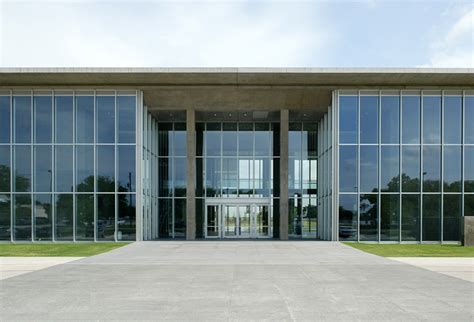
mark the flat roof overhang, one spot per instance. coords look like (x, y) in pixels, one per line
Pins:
(238, 88)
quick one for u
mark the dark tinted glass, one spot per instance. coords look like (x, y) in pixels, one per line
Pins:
(22, 217)
(431, 168)
(411, 119)
(390, 168)
(368, 168)
(126, 119)
(390, 114)
(348, 119)
(431, 217)
(43, 168)
(5, 169)
(22, 118)
(213, 139)
(310, 140)
(63, 217)
(180, 167)
(229, 137)
(368, 217)
(165, 139)
(43, 109)
(105, 168)
(246, 139)
(452, 217)
(105, 217)
(64, 170)
(84, 119)
(410, 217)
(5, 212)
(348, 169)
(469, 119)
(85, 168)
(126, 168)
(165, 209)
(199, 177)
(389, 217)
(22, 176)
(431, 119)
(200, 139)
(411, 168)
(179, 218)
(4, 119)
(369, 119)
(64, 119)
(165, 177)
(469, 169)
(262, 139)
(105, 119)
(179, 139)
(43, 217)
(126, 217)
(84, 217)
(452, 119)
(452, 168)
(468, 205)
(347, 217)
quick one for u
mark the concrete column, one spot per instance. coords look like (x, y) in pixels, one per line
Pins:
(284, 117)
(191, 175)
(468, 233)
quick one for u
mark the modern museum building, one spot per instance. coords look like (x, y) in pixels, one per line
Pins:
(116, 154)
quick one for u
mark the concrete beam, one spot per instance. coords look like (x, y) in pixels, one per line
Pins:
(191, 175)
(284, 119)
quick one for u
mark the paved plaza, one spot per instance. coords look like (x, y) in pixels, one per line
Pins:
(236, 280)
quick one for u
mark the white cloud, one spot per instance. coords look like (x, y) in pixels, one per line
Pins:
(161, 34)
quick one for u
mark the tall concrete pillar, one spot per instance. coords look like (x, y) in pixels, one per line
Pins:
(191, 175)
(284, 119)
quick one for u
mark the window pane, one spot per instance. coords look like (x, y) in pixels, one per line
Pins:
(105, 217)
(310, 140)
(390, 114)
(200, 129)
(229, 137)
(126, 119)
(64, 217)
(452, 168)
(432, 119)
(309, 217)
(22, 179)
(309, 176)
(390, 171)
(468, 205)
(43, 217)
(294, 217)
(368, 217)
(411, 119)
(431, 217)
(4, 119)
(43, 168)
(431, 168)
(22, 118)
(5, 211)
(85, 168)
(22, 217)
(469, 119)
(368, 169)
(179, 218)
(84, 217)
(213, 139)
(105, 119)
(348, 119)
(246, 174)
(64, 170)
(179, 141)
(390, 217)
(84, 119)
(369, 119)
(165, 211)
(165, 177)
(410, 217)
(165, 137)
(452, 119)
(294, 176)
(43, 108)
(245, 139)
(126, 168)
(199, 177)
(469, 169)
(348, 169)
(347, 217)
(263, 141)
(105, 168)
(411, 168)
(229, 177)
(180, 165)
(261, 177)
(5, 170)
(126, 217)
(64, 119)
(452, 217)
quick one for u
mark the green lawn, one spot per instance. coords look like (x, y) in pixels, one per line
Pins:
(74, 250)
(415, 250)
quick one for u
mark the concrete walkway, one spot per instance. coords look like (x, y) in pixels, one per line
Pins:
(14, 266)
(236, 280)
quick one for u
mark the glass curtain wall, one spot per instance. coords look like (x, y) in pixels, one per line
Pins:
(402, 177)
(302, 180)
(67, 165)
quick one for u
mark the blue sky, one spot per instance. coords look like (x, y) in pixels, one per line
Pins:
(423, 33)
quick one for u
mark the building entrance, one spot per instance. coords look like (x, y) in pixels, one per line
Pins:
(238, 220)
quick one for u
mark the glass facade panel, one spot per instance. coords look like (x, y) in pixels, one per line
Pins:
(5, 113)
(411, 113)
(85, 217)
(229, 136)
(64, 168)
(105, 110)
(5, 169)
(43, 109)
(390, 116)
(263, 141)
(22, 176)
(469, 119)
(165, 177)
(389, 217)
(105, 168)
(22, 119)
(126, 168)
(85, 119)
(469, 168)
(105, 217)
(165, 139)
(348, 217)
(213, 139)
(22, 217)
(468, 205)
(63, 214)
(410, 168)
(390, 168)
(230, 175)
(369, 119)
(166, 217)
(431, 217)
(126, 110)
(43, 217)
(348, 119)
(179, 218)
(348, 169)
(452, 168)
(295, 206)
(180, 167)
(410, 217)
(126, 224)
(452, 217)
(368, 168)
(432, 119)
(452, 119)
(245, 139)
(64, 119)
(43, 172)
(213, 177)
(85, 168)
(5, 218)
(368, 226)
(431, 168)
